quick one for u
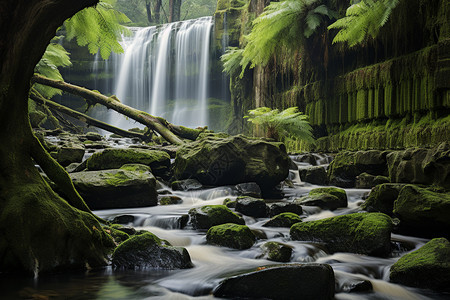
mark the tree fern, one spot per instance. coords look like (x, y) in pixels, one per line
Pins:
(289, 122)
(363, 20)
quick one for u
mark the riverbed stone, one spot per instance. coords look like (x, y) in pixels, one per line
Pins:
(148, 251)
(322, 200)
(250, 189)
(423, 211)
(186, 185)
(315, 175)
(337, 192)
(93, 136)
(225, 160)
(428, 267)
(276, 251)
(70, 153)
(294, 281)
(282, 207)
(211, 215)
(286, 219)
(158, 161)
(118, 188)
(363, 233)
(368, 181)
(250, 206)
(170, 200)
(231, 235)
(382, 198)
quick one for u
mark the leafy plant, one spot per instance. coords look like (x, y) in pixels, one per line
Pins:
(289, 122)
(362, 20)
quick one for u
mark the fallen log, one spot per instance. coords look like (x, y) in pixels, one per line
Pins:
(167, 130)
(86, 119)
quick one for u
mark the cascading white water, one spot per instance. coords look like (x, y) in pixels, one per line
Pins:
(165, 71)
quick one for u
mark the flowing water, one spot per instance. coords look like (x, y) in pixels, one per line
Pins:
(212, 263)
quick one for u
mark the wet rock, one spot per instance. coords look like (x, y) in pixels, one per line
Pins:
(229, 203)
(314, 175)
(127, 229)
(170, 200)
(428, 267)
(186, 185)
(325, 198)
(337, 192)
(423, 211)
(282, 207)
(231, 235)
(309, 158)
(93, 136)
(250, 189)
(118, 235)
(224, 160)
(70, 153)
(119, 188)
(363, 233)
(354, 285)
(148, 251)
(250, 206)
(367, 181)
(72, 167)
(276, 251)
(294, 281)
(158, 161)
(211, 215)
(286, 219)
(123, 219)
(382, 197)
(421, 166)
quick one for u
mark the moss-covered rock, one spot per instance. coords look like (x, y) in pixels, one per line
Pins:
(211, 215)
(276, 251)
(382, 197)
(423, 211)
(116, 188)
(118, 235)
(70, 153)
(282, 207)
(337, 192)
(314, 175)
(325, 198)
(186, 185)
(148, 251)
(427, 267)
(158, 161)
(170, 200)
(364, 233)
(367, 181)
(229, 203)
(286, 219)
(250, 206)
(218, 160)
(93, 136)
(293, 281)
(231, 236)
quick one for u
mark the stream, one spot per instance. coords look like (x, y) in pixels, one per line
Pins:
(212, 263)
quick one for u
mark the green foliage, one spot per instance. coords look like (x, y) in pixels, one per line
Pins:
(289, 122)
(284, 25)
(231, 60)
(362, 20)
(99, 28)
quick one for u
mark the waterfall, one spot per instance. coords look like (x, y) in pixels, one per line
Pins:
(165, 71)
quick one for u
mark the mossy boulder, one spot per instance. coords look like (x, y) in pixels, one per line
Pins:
(428, 267)
(337, 192)
(421, 166)
(148, 251)
(276, 251)
(314, 175)
(363, 233)
(70, 153)
(224, 160)
(283, 207)
(423, 211)
(250, 206)
(158, 161)
(118, 188)
(118, 235)
(382, 198)
(368, 181)
(230, 203)
(170, 200)
(93, 136)
(186, 185)
(286, 219)
(294, 281)
(211, 215)
(231, 235)
(325, 198)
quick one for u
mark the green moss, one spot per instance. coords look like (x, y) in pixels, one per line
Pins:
(231, 235)
(286, 219)
(337, 192)
(118, 235)
(276, 251)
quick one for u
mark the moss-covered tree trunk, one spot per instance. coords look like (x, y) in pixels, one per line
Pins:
(39, 231)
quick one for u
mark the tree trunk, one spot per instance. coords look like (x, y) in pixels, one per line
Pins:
(88, 120)
(174, 10)
(168, 131)
(39, 230)
(149, 11)
(157, 11)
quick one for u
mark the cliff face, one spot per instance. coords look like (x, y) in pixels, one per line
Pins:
(392, 92)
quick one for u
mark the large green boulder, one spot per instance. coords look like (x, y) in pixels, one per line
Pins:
(223, 160)
(314, 175)
(363, 233)
(368, 181)
(382, 198)
(286, 219)
(293, 281)
(326, 198)
(158, 161)
(423, 211)
(118, 188)
(231, 235)
(211, 215)
(428, 267)
(148, 251)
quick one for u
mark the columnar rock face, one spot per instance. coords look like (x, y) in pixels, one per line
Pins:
(296, 281)
(223, 160)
